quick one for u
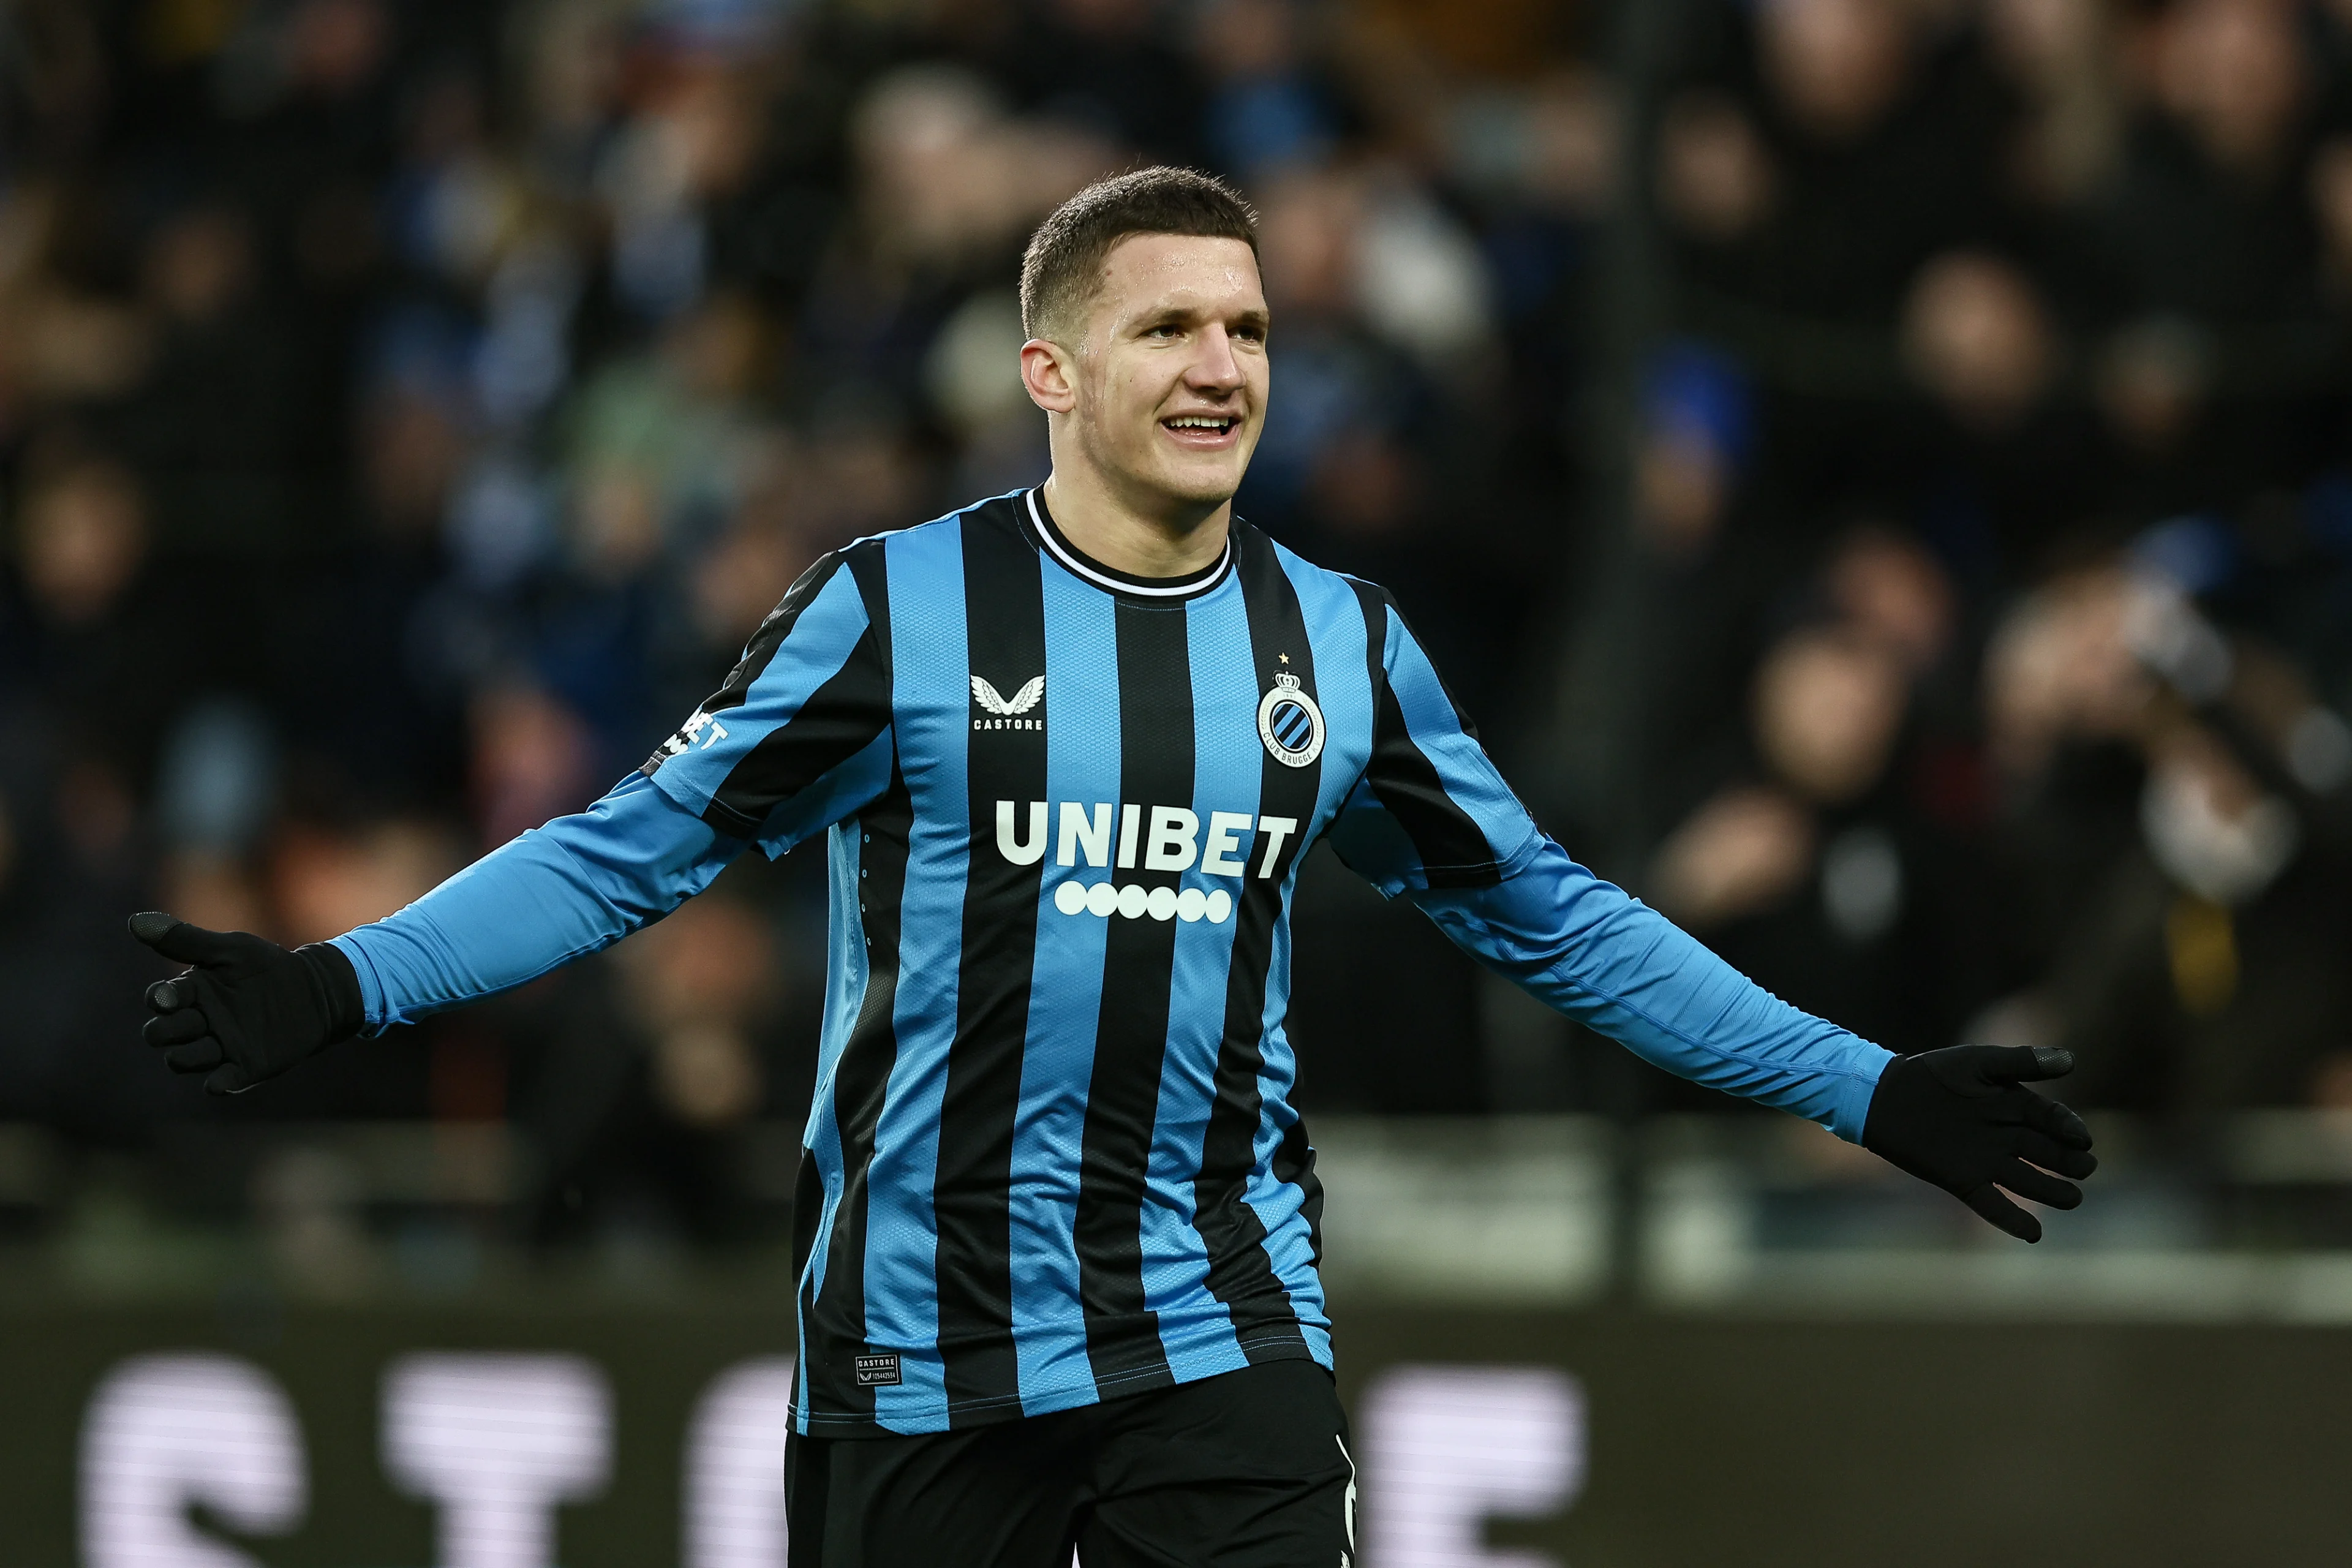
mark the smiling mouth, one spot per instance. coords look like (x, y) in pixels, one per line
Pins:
(1201, 427)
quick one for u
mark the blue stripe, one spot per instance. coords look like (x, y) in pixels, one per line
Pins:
(820, 643)
(931, 671)
(1195, 1328)
(1082, 765)
(846, 971)
(847, 975)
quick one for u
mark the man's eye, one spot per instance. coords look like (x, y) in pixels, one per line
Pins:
(1163, 331)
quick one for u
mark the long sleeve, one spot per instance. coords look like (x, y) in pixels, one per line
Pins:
(1431, 820)
(554, 894)
(1611, 962)
(796, 739)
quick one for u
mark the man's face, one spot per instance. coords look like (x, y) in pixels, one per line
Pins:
(1170, 372)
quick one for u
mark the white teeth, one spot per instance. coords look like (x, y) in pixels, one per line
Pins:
(1199, 423)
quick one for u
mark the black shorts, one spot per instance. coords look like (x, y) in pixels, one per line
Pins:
(1247, 1469)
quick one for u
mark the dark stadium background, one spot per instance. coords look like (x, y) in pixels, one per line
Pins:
(1877, 470)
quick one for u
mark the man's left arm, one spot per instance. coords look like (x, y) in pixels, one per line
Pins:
(1433, 821)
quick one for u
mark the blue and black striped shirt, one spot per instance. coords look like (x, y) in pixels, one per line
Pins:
(1052, 1157)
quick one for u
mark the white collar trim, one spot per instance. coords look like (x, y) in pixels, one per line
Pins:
(1180, 588)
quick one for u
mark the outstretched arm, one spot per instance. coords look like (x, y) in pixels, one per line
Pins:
(797, 738)
(248, 1009)
(559, 892)
(1959, 1117)
(1431, 820)
(1616, 965)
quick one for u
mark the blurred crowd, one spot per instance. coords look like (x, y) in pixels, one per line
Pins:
(408, 409)
(1991, 503)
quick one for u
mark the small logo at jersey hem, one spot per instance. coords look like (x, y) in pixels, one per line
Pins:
(880, 1370)
(1005, 712)
(1290, 724)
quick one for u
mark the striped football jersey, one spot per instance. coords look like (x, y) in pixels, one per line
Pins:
(1052, 1156)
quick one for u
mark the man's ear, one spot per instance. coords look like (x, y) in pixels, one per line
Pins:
(1049, 372)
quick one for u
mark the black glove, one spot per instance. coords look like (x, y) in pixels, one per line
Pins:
(248, 1009)
(1962, 1118)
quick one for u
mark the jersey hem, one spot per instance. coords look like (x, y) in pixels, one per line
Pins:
(991, 1409)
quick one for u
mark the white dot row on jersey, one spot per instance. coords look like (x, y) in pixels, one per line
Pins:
(1134, 902)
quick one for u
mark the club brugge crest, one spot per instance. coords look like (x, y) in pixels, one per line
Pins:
(1289, 723)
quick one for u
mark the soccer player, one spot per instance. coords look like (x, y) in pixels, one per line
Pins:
(1058, 1216)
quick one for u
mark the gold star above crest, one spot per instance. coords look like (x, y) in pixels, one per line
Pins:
(1284, 656)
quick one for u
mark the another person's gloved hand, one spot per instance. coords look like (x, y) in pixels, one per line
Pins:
(247, 1009)
(1962, 1118)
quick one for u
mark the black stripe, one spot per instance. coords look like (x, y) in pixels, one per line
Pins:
(808, 1208)
(1155, 702)
(808, 1214)
(1293, 1161)
(771, 634)
(869, 564)
(840, 719)
(1005, 617)
(1453, 849)
(834, 1318)
(761, 648)
(1240, 1273)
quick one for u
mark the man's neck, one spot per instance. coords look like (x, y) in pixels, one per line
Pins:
(1126, 538)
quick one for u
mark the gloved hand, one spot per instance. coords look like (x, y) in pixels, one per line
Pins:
(247, 1009)
(1962, 1118)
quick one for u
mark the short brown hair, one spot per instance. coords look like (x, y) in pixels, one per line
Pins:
(1063, 265)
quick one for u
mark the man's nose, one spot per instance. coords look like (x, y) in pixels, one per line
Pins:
(1216, 368)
